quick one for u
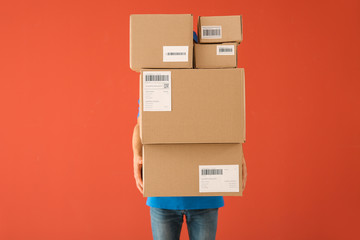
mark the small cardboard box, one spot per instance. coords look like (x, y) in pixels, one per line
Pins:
(161, 41)
(223, 55)
(192, 106)
(220, 29)
(192, 170)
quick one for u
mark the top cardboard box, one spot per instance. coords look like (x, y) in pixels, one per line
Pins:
(220, 29)
(161, 41)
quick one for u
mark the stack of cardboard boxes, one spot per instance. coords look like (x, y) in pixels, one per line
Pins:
(192, 104)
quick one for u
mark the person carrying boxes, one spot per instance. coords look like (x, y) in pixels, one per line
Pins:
(174, 39)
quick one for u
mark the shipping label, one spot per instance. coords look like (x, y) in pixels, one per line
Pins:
(218, 178)
(225, 50)
(211, 32)
(157, 91)
(175, 53)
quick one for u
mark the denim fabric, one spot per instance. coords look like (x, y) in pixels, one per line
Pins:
(166, 224)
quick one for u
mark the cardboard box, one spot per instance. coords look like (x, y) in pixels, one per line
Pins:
(222, 55)
(161, 41)
(220, 29)
(192, 170)
(192, 106)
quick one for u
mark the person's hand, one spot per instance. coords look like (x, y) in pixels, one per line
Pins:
(244, 174)
(137, 172)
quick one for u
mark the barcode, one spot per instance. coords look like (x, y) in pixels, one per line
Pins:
(211, 32)
(156, 77)
(211, 171)
(225, 50)
(176, 53)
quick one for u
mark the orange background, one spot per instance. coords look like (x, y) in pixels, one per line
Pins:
(68, 103)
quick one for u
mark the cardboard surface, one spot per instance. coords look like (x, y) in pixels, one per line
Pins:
(173, 169)
(210, 55)
(150, 33)
(207, 106)
(231, 28)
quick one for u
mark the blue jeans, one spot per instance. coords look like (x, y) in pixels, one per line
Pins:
(166, 224)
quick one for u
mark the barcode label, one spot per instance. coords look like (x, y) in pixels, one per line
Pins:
(157, 77)
(156, 91)
(219, 178)
(211, 172)
(211, 32)
(175, 53)
(225, 50)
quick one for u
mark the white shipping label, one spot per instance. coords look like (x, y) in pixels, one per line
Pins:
(175, 53)
(225, 50)
(218, 178)
(157, 91)
(211, 32)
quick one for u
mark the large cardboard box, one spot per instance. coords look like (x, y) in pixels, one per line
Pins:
(161, 41)
(223, 55)
(192, 106)
(220, 29)
(192, 170)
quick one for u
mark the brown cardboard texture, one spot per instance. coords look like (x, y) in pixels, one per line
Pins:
(220, 29)
(204, 106)
(161, 41)
(183, 170)
(222, 55)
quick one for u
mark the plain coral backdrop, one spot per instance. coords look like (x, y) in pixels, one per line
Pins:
(68, 103)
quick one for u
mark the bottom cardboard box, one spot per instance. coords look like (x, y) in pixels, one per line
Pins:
(192, 170)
